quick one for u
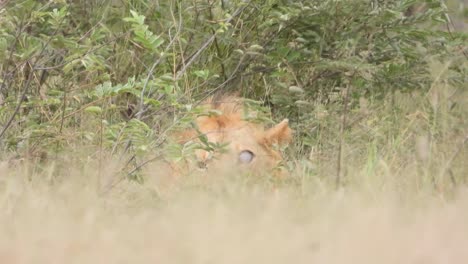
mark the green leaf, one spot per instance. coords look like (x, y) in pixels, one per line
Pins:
(93, 109)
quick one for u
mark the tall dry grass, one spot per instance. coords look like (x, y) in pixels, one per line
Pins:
(224, 221)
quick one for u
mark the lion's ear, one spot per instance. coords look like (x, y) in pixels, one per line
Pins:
(280, 134)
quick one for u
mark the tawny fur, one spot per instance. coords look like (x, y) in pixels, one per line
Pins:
(230, 127)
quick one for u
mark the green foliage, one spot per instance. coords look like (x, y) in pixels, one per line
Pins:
(114, 73)
(142, 34)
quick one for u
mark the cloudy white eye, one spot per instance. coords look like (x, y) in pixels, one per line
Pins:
(246, 156)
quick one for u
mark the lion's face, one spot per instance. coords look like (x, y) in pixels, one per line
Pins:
(249, 147)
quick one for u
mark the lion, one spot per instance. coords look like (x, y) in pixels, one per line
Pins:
(247, 146)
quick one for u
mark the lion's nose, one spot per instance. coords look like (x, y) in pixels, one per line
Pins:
(201, 165)
(203, 158)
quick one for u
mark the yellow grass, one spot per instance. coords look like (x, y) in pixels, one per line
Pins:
(70, 220)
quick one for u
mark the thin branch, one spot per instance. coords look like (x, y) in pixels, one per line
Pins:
(339, 160)
(19, 103)
(10, 57)
(97, 47)
(4, 3)
(150, 74)
(28, 82)
(446, 168)
(450, 26)
(62, 121)
(136, 168)
(207, 43)
(218, 49)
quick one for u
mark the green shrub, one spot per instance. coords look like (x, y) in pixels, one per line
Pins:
(121, 73)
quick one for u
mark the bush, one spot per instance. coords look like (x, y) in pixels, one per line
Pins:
(121, 74)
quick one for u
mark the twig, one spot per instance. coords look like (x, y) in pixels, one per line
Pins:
(445, 169)
(62, 121)
(4, 3)
(139, 166)
(10, 57)
(339, 161)
(150, 74)
(189, 41)
(207, 43)
(81, 109)
(218, 50)
(19, 103)
(231, 77)
(97, 47)
(28, 82)
(450, 23)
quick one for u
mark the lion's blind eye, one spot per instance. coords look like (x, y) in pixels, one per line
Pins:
(246, 156)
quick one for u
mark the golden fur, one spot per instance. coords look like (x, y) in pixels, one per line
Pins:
(240, 136)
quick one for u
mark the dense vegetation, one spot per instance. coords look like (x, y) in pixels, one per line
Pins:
(367, 85)
(376, 91)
